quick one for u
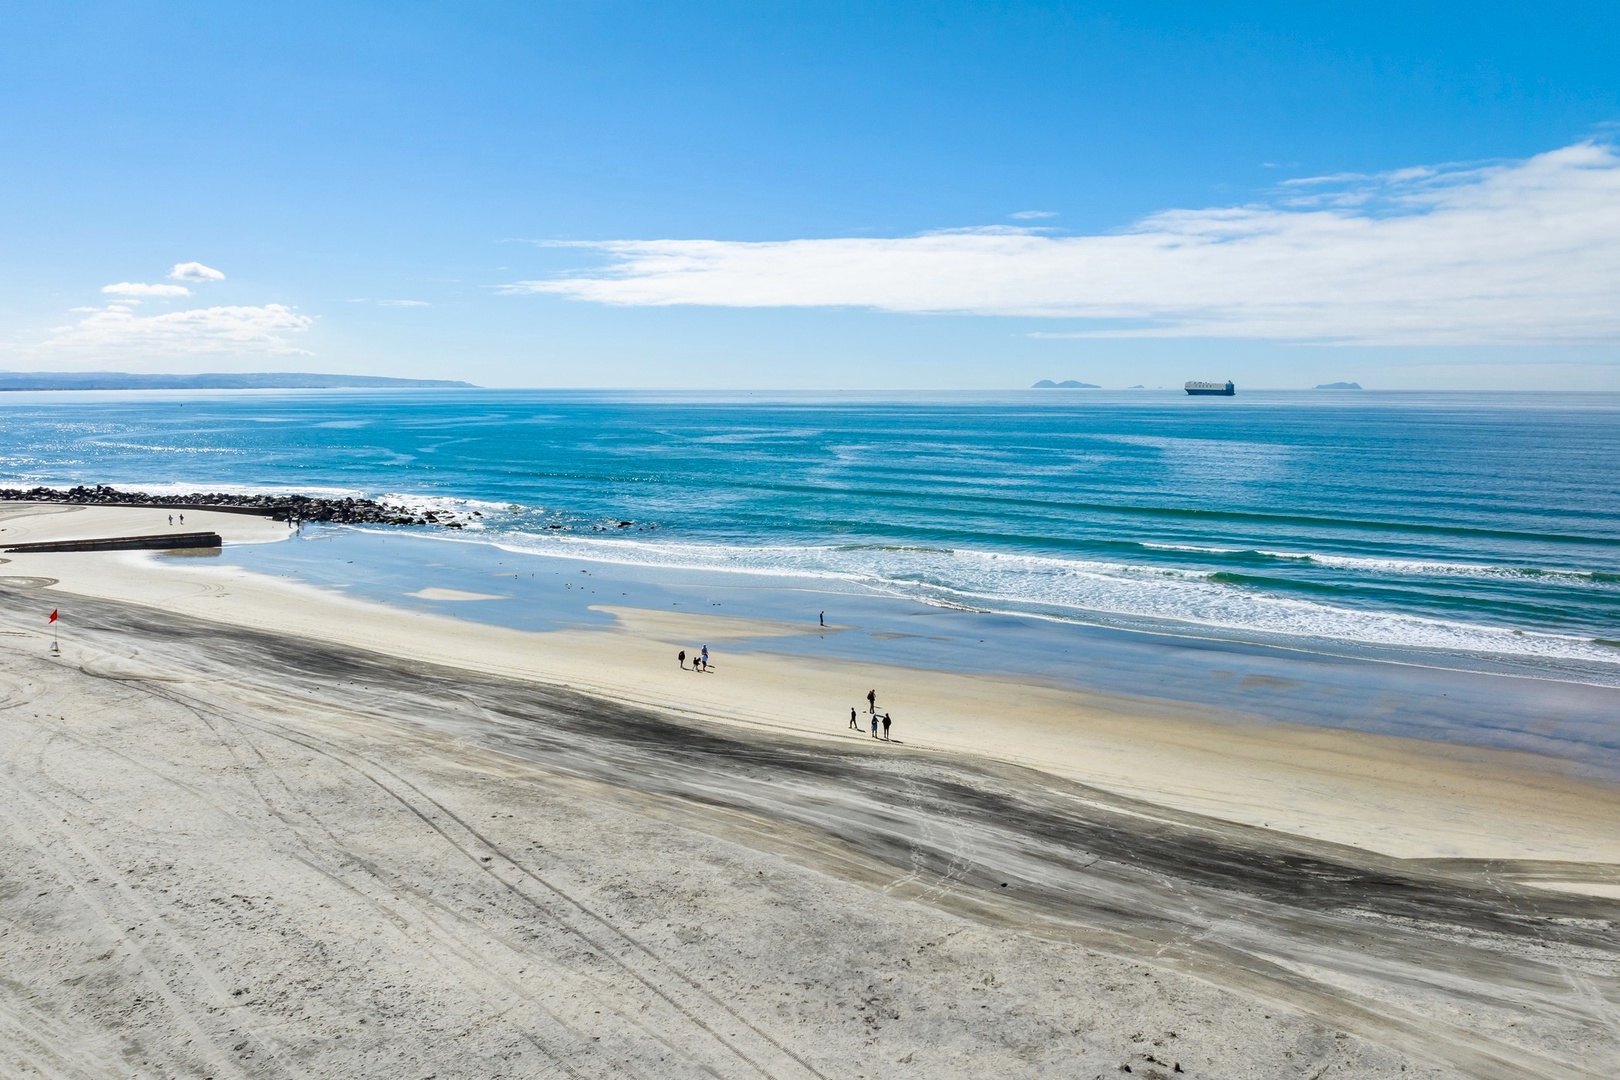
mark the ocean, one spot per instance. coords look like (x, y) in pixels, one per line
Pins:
(1435, 566)
(1480, 530)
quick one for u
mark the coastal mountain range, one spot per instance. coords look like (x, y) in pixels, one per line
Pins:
(259, 380)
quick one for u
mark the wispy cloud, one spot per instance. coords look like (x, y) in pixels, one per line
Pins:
(1030, 215)
(117, 329)
(1524, 252)
(404, 303)
(136, 288)
(195, 271)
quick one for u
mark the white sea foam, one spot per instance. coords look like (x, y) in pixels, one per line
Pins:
(1431, 568)
(1374, 564)
(1192, 548)
(1072, 589)
(491, 513)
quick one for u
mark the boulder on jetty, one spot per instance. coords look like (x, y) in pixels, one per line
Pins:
(346, 511)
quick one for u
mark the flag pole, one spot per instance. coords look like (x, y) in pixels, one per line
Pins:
(55, 649)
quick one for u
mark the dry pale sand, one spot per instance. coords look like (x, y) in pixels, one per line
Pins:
(253, 829)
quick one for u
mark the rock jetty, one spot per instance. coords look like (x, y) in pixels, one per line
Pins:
(345, 511)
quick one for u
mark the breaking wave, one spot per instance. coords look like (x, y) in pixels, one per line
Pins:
(1080, 590)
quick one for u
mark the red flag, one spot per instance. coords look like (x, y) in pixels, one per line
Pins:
(53, 615)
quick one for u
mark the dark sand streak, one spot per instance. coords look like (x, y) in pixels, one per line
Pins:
(1365, 942)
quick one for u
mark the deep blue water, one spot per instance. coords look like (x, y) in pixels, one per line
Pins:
(1456, 529)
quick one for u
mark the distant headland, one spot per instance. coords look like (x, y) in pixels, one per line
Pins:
(261, 380)
(1338, 386)
(1066, 384)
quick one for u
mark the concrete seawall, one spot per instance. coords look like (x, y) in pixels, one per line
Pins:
(158, 542)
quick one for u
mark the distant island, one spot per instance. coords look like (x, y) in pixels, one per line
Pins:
(261, 380)
(1338, 386)
(1066, 384)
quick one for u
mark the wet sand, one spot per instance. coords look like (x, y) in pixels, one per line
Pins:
(231, 851)
(1402, 797)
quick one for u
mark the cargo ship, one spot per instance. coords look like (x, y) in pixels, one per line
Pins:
(1222, 389)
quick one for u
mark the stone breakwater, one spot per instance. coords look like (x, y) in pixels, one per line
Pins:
(346, 511)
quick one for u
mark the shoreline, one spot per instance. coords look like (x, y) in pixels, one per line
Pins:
(1196, 676)
(1397, 796)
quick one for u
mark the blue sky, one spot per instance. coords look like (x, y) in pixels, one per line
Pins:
(779, 195)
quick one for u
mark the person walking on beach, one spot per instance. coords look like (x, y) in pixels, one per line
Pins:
(854, 724)
(171, 519)
(885, 727)
(705, 658)
(871, 701)
(874, 725)
(823, 618)
(182, 519)
(681, 656)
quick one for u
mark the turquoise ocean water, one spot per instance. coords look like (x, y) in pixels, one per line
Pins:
(1471, 526)
(1446, 566)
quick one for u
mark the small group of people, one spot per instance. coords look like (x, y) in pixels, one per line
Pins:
(182, 519)
(871, 708)
(700, 660)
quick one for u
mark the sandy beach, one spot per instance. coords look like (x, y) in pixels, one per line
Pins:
(256, 828)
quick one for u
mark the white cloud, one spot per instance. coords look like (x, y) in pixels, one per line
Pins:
(404, 303)
(116, 328)
(136, 288)
(1526, 252)
(1029, 215)
(195, 271)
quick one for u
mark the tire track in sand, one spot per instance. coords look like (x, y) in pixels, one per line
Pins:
(758, 1051)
